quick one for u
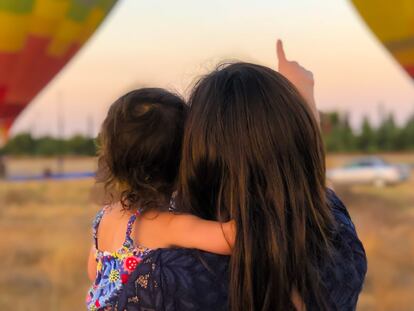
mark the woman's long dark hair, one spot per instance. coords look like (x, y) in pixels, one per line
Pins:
(252, 152)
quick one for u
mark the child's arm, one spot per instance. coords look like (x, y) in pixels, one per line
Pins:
(192, 232)
(92, 264)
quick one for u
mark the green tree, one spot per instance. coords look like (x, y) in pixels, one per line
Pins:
(387, 134)
(49, 146)
(81, 145)
(21, 144)
(337, 132)
(347, 135)
(407, 134)
(366, 141)
(330, 126)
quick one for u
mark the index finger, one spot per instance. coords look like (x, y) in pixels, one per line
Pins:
(280, 51)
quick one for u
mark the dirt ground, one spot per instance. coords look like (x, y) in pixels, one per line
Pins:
(45, 236)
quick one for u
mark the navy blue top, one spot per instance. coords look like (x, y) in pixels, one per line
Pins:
(186, 279)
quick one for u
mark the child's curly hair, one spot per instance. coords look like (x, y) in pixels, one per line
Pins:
(140, 148)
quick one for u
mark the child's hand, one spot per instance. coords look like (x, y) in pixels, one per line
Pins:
(299, 76)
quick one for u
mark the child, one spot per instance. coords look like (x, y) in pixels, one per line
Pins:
(140, 152)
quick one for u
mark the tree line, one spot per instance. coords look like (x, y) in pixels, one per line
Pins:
(26, 144)
(339, 136)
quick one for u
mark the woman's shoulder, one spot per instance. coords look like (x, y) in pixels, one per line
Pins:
(344, 233)
(344, 276)
(339, 209)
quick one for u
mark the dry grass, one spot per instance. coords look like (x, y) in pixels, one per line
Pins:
(384, 218)
(36, 166)
(385, 222)
(45, 230)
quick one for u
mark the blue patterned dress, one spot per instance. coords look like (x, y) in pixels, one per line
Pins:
(113, 268)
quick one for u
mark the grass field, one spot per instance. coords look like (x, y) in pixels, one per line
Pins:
(45, 236)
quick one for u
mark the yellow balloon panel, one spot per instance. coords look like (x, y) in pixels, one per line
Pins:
(37, 38)
(392, 21)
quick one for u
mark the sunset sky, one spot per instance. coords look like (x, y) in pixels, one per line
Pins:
(169, 43)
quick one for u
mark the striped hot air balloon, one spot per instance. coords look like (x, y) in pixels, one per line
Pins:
(392, 21)
(37, 38)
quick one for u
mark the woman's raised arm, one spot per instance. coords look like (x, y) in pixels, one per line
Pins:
(299, 76)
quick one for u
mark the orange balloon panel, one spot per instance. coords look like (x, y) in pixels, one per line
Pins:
(392, 21)
(37, 38)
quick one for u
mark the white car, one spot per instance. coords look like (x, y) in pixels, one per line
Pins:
(369, 170)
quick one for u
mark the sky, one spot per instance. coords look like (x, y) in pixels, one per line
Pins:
(171, 43)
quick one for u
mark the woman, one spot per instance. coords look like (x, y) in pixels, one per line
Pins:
(253, 153)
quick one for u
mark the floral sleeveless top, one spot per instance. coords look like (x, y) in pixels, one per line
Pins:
(113, 268)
